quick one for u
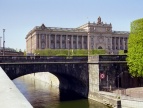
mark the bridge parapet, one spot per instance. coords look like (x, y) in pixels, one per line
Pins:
(9, 59)
(93, 59)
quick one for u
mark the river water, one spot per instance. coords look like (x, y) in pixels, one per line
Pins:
(43, 95)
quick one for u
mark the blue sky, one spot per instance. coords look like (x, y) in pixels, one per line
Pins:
(18, 17)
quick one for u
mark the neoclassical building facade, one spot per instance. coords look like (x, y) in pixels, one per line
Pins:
(97, 35)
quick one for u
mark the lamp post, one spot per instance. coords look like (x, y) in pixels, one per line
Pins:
(0, 46)
(0, 42)
(118, 80)
(68, 47)
(88, 44)
(3, 42)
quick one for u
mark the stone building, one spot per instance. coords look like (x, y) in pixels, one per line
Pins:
(97, 35)
(10, 52)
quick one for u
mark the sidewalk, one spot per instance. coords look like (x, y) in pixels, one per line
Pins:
(131, 97)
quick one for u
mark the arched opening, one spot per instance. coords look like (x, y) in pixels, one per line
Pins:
(72, 88)
(46, 77)
(68, 87)
(100, 47)
(69, 75)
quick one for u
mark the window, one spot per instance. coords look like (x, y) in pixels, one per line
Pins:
(57, 45)
(43, 45)
(43, 36)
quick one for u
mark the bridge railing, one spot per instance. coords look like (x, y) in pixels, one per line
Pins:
(6, 59)
(112, 57)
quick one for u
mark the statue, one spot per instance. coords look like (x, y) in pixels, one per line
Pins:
(99, 20)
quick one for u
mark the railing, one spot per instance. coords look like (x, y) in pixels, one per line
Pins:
(112, 57)
(5, 59)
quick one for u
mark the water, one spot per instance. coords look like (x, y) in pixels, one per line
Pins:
(43, 95)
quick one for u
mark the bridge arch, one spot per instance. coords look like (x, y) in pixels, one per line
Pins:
(72, 76)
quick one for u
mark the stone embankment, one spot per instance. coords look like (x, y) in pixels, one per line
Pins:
(107, 98)
(131, 100)
(45, 77)
(10, 96)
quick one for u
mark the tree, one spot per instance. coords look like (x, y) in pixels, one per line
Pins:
(135, 49)
(24, 52)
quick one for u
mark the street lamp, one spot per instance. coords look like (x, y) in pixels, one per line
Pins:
(88, 43)
(68, 47)
(118, 81)
(3, 42)
(0, 47)
(0, 42)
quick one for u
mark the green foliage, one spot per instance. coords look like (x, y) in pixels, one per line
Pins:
(66, 52)
(24, 53)
(135, 49)
(99, 51)
(121, 52)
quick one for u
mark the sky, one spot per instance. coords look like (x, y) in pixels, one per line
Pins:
(18, 17)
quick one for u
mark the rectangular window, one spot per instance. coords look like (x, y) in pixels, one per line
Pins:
(43, 36)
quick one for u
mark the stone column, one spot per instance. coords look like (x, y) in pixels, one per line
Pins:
(82, 42)
(61, 41)
(31, 44)
(66, 42)
(55, 41)
(111, 43)
(46, 40)
(39, 41)
(106, 39)
(49, 41)
(72, 42)
(77, 42)
(114, 43)
(119, 43)
(123, 43)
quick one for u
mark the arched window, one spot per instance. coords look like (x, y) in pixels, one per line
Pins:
(100, 47)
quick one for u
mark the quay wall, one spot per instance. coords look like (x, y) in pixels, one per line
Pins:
(45, 77)
(10, 96)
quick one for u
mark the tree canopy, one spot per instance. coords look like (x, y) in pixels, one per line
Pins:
(135, 48)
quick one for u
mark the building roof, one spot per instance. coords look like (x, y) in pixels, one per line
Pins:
(83, 28)
(8, 49)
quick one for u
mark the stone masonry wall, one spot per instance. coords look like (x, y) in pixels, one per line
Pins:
(46, 77)
(93, 78)
(93, 69)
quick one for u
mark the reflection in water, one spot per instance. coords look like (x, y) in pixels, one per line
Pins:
(42, 95)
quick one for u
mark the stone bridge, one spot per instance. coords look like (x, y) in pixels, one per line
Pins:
(78, 74)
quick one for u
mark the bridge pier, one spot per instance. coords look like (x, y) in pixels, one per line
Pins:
(94, 85)
(93, 69)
